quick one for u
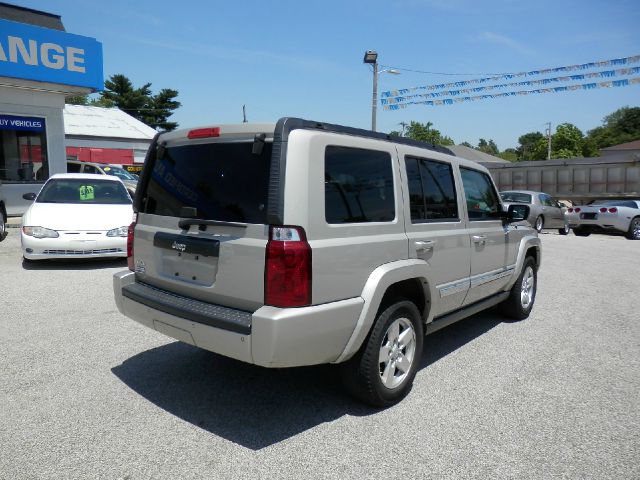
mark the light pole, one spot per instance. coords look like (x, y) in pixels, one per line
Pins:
(548, 124)
(371, 57)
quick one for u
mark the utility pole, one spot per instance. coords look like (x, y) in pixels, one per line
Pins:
(403, 125)
(244, 114)
(548, 124)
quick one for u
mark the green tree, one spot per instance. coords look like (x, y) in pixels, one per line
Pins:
(119, 91)
(159, 108)
(424, 133)
(621, 126)
(489, 147)
(509, 154)
(528, 146)
(77, 100)
(567, 142)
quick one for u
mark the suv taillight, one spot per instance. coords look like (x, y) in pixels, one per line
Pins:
(287, 272)
(130, 232)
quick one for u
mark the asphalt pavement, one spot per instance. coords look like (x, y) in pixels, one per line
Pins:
(87, 393)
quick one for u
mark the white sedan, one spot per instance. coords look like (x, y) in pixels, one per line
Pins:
(77, 216)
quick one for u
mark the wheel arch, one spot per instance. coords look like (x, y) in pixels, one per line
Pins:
(530, 246)
(408, 279)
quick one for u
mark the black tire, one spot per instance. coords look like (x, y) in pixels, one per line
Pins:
(581, 232)
(539, 223)
(3, 224)
(362, 376)
(565, 230)
(514, 306)
(634, 229)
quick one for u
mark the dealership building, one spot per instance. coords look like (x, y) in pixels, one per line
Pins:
(40, 65)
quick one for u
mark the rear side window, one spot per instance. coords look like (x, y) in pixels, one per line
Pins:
(547, 201)
(516, 197)
(482, 199)
(222, 181)
(358, 186)
(432, 194)
(73, 168)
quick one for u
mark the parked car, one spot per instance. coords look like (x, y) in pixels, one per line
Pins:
(306, 243)
(545, 211)
(3, 214)
(130, 180)
(77, 216)
(606, 216)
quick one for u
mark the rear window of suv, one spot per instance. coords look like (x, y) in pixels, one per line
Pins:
(223, 181)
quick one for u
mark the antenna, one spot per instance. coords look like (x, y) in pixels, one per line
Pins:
(244, 114)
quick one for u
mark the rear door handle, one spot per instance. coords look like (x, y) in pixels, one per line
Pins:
(479, 239)
(424, 245)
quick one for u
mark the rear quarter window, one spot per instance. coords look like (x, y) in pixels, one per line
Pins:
(358, 186)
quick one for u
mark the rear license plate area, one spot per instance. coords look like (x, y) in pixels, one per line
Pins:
(187, 258)
(589, 216)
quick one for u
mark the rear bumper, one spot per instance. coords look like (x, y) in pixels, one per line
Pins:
(270, 336)
(601, 225)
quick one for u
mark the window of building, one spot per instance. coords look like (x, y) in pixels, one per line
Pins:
(482, 199)
(432, 194)
(358, 186)
(23, 149)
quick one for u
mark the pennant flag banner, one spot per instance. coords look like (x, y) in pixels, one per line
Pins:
(508, 76)
(526, 83)
(450, 101)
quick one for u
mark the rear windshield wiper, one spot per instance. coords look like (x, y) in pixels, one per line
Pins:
(185, 223)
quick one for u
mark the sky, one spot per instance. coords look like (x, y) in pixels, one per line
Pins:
(304, 58)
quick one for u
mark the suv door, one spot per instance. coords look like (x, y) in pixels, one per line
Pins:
(434, 225)
(218, 188)
(491, 262)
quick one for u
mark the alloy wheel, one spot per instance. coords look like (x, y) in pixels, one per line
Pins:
(397, 353)
(527, 288)
(635, 228)
(539, 224)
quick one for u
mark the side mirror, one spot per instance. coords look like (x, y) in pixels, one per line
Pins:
(29, 196)
(517, 213)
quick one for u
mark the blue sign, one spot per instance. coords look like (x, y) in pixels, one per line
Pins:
(47, 55)
(25, 124)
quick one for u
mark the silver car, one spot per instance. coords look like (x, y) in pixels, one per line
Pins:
(607, 216)
(545, 211)
(130, 180)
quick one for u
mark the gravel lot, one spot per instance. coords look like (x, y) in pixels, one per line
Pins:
(87, 393)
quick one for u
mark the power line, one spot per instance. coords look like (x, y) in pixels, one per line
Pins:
(439, 73)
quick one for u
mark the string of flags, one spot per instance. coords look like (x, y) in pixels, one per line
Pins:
(509, 76)
(450, 101)
(527, 83)
(462, 91)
